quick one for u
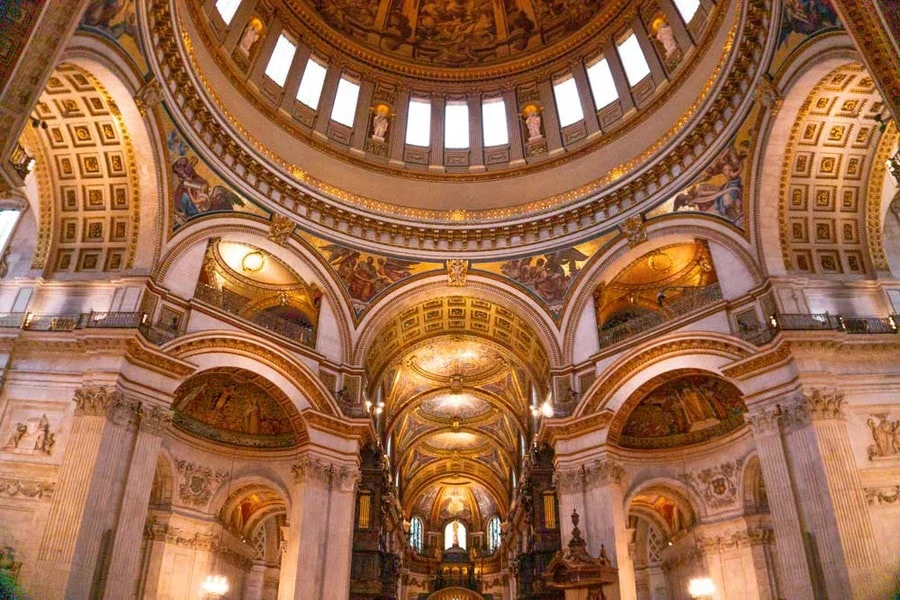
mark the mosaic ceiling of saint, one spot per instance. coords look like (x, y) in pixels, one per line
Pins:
(235, 407)
(687, 409)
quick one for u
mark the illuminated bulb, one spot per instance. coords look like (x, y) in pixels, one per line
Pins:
(535, 411)
(368, 406)
(547, 409)
(379, 410)
(215, 585)
(701, 587)
(253, 261)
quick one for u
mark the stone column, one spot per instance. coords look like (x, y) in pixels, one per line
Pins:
(126, 546)
(792, 558)
(570, 495)
(606, 523)
(821, 453)
(316, 562)
(72, 541)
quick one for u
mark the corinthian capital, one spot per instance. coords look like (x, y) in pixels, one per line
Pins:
(568, 481)
(100, 401)
(605, 471)
(765, 420)
(153, 419)
(824, 405)
(313, 470)
(344, 477)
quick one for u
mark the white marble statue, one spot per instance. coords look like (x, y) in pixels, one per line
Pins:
(251, 34)
(533, 123)
(667, 39)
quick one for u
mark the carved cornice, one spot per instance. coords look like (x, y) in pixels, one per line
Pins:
(758, 363)
(157, 361)
(551, 432)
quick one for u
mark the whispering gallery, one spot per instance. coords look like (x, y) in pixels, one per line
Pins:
(449, 300)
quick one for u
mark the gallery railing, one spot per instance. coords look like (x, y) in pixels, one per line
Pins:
(689, 300)
(821, 322)
(233, 304)
(71, 321)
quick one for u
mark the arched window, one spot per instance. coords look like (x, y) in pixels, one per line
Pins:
(493, 534)
(454, 535)
(416, 534)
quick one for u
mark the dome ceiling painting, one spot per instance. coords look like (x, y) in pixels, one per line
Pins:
(455, 33)
(237, 407)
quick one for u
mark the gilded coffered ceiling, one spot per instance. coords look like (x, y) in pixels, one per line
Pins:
(94, 223)
(830, 155)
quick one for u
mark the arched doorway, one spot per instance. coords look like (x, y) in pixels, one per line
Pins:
(455, 593)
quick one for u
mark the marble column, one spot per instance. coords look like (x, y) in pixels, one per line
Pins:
(569, 484)
(126, 545)
(789, 536)
(79, 520)
(606, 522)
(820, 451)
(316, 561)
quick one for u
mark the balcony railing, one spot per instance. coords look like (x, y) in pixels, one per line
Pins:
(233, 304)
(688, 301)
(71, 321)
(821, 322)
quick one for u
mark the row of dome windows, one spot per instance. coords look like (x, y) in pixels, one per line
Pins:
(456, 117)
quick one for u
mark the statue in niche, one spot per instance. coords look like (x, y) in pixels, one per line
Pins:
(250, 36)
(886, 435)
(667, 38)
(380, 122)
(30, 437)
(533, 123)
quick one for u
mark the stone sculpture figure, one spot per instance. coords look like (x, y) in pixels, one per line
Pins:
(667, 39)
(31, 436)
(379, 125)
(251, 34)
(533, 123)
(886, 435)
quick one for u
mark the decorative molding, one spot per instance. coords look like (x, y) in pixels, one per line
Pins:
(758, 363)
(635, 230)
(197, 482)
(100, 401)
(457, 268)
(154, 419)
(718, 485)
(764, 421)
(194, 540)
(13, 488)
(280, 228)
(157, 361)
(874, 235)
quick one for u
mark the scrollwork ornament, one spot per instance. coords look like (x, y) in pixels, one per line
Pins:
(196, 485)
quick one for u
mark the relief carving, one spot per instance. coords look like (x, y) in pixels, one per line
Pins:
(764, 420)
(196, 486)
(886, 435)
(30, 489)
(718, 484)
(824, 405)
(569, 481)
(457, 268)
(98, 401)
(316, 470)
(883, 495)
(280, 229)
(154, 419)
(603, 472)
(31, 437)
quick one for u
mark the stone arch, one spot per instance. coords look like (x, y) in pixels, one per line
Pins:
(681, 495)
(578, 323)
(708, 351)
(264, 490)
(162, 491)
(480, 289)
(184, 254)
(754, 488)
(212, 349)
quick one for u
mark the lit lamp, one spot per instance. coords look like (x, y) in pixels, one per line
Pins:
(253, 262)
(215, 586)
(701, 588)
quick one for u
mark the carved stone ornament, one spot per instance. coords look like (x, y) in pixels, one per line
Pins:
(280, 229)
(148, 96)
(718, 484)
(633, 229)
(768, 94)
(886, 435)
(457, 268)
(154, 419)
(764, 420)
(322, 472)
(31, 437)
(13, 488)
(99, 401)
(569, 481)
(194, 540)
(824, 405)
(605, 471)
(196, 485)
(881, 496)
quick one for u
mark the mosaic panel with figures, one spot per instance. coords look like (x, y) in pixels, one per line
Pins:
(832, 147)
(90, 151)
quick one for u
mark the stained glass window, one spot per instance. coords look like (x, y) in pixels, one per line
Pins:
(493, 534)
(416, 535)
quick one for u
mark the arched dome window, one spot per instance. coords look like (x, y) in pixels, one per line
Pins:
(493, 534)
(227, 8)
(454, 535)
(416, 534)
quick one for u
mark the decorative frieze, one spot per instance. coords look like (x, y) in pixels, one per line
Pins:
(718, 485)
(14, 488)
(197, 482)
(194, 540)
(886, 435)
(881, 496)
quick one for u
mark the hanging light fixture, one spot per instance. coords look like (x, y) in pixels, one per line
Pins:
(701, 588)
